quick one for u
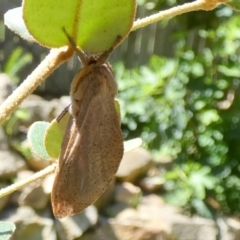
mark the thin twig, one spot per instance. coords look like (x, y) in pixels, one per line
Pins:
(18, 185)
(178, 10)
(55, 58)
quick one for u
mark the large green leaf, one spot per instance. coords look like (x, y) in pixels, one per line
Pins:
(94, 25)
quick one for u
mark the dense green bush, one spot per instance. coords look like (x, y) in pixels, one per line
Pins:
(188, 108)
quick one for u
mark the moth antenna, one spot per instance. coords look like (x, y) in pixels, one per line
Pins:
(83, 57)
(104, 56)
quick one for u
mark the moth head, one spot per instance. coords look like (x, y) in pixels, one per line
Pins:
(92, 60)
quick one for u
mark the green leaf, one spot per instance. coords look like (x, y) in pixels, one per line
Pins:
(53, 139)
(208, 116)
(14, 21)
(6, 230)
(36, 139)
(16, 61)
(233, 72)
(179, 197)
(234, 4)
(201, 207)
(54, 135)
(200, 181)
(94, 25)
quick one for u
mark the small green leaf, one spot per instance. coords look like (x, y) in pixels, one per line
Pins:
(6, 230)
(201, 207)
(36, 139)
(54, 135)
(208, 116)
(14, 21)
(15, 62)
(234, 4)
(53, 139)
(94, 25)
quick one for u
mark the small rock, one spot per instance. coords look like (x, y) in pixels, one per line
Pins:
(73, 227)
(128, 194)
(92, 236)
(3, 139)
(34, 196)
(61, 104)
(23, 174)
(31, 226)
(34, 161)
(152, 184)
(11, 164)
(38, 109)
(37, 163)
(135, 223)
(183, 227)
(47, 183)
(229, 228)
(106, 197)
(194, 228)
(133, 165)
(114, 209)
(6, 87)
(152, 200)
(135, 228)
(3, 200)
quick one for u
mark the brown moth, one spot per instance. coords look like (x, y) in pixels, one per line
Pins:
(93, 145)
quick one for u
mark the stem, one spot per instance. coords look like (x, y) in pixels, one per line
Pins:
(55, 58)
(178, 10)
(24, 182)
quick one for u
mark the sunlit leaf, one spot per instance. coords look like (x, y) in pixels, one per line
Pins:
(54, 135)
(94, 25)
(36, 138)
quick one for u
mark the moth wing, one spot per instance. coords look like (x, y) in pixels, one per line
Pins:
(88, 164)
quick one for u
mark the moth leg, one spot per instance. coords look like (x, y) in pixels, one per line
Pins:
(62, 114)
(83, 57)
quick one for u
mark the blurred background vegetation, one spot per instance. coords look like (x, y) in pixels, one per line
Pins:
(179, 89)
